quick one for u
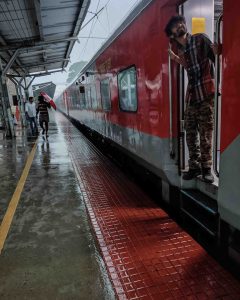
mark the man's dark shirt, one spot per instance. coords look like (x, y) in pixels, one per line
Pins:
(199, 58)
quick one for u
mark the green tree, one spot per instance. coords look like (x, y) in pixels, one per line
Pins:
(74, 70)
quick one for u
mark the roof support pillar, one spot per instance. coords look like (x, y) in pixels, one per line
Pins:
(25, 89)
(6, 108)
(20, 87)
(11, 61)
(21, 104)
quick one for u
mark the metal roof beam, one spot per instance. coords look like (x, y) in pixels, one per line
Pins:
(37, 74)
(37, 6)
(36, 39)
(35, 52)
(47, 73)
(5, 61)
(31, 81)
(3, 42)
(9, 64)
(14, 79)
(38, 44)
(46, 63)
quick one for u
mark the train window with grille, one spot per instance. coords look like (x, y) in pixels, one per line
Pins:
(127, 86)
(105, 94)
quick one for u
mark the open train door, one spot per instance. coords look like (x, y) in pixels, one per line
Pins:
(202, 16)
(198, 199)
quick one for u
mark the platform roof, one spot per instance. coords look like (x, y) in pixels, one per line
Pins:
(39, 33)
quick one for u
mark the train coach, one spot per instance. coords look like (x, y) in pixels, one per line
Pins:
(131, 96)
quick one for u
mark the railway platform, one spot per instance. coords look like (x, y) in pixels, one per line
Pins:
(83, 230)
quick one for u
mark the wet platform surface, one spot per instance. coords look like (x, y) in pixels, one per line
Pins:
(50, 252)
(148, 256)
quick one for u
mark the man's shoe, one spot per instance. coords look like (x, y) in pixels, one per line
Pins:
(191, 174)
(207, 175)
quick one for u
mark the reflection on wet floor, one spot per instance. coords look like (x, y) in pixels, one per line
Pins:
(50, 252)
(1, 136)
(13, 155)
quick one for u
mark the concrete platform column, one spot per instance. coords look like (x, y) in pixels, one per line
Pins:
(6, 109)
(10, 131)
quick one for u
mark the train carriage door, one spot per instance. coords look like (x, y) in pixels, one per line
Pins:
(202, 16)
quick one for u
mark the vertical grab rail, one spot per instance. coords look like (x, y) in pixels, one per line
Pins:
(171, 150)
(216, 95)
(181, 119)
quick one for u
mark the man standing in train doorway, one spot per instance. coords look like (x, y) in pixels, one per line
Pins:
(196, 54)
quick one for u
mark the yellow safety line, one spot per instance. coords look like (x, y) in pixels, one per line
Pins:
(7, 220)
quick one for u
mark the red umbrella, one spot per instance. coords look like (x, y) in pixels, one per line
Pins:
(48, 99)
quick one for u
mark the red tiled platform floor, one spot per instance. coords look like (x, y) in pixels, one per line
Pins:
(147, 255)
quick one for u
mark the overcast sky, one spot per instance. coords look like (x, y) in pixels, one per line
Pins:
(110, 17)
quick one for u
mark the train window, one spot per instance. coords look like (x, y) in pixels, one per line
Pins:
(94, 97)
(105, 94)
(82, 100)
(75, 98)
(88, 97)
(82, 97)
(82, 89)
(127, 86)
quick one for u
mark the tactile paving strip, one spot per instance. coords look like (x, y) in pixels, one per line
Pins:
(147, 255)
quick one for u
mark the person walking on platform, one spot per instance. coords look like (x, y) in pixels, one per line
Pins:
(196, 54)
(42, 109)
(31, 113)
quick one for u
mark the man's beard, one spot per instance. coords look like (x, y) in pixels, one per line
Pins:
(180, 33)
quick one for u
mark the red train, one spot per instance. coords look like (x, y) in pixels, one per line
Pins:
(132, 97)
